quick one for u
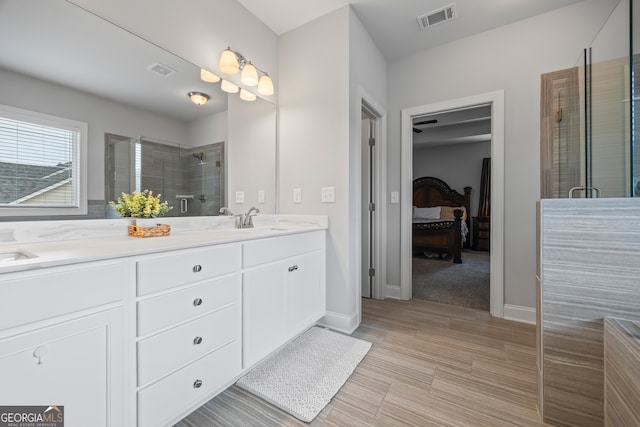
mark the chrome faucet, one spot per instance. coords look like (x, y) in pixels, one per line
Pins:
(247, 221)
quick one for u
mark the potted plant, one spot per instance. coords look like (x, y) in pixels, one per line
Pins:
(144, 208)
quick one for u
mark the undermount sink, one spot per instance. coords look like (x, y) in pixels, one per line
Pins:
(10, 256)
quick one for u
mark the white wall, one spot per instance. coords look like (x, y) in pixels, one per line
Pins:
(102, 115)
(511, 58)
(314, 137)
(459, 165)
(319, 68)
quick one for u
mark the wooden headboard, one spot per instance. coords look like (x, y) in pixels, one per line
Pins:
(429, 191)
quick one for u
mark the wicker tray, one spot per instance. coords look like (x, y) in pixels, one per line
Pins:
(157, 231)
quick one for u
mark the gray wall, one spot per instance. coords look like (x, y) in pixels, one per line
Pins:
(458, 165)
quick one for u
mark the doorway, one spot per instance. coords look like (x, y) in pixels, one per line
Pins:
(368, 202)
(496, 101)
(452, 149)
(370, 210)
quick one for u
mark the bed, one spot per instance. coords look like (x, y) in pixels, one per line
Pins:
(441, 220)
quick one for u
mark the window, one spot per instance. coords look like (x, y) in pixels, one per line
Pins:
(42, 164)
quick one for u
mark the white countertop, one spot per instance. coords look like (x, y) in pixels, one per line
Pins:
(62, 252)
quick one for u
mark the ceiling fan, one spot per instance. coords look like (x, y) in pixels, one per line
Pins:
(424, 122)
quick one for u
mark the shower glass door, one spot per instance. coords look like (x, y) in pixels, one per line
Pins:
(590, 116)
(190, 179)
(608, 89)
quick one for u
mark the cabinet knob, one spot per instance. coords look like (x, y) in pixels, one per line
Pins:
(197, 268)
(197, 340)
(293, 268)
(197, 384)
(197, 302)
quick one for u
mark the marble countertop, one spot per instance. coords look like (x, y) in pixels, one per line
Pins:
(80, 247)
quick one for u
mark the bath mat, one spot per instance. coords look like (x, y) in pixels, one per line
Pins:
(303, 377)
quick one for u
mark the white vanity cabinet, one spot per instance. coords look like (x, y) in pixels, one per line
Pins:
(61, 341)
(189, 326)
(283, 291)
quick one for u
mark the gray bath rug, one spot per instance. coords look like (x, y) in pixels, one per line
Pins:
(303, 377)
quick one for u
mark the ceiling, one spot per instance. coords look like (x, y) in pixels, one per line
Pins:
(459, 126)
(392, 24)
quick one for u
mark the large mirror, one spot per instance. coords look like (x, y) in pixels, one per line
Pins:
(59, 59)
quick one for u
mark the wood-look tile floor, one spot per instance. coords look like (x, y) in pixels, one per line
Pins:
(430, 365)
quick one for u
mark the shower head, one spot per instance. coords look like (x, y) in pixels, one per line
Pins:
(200, 157)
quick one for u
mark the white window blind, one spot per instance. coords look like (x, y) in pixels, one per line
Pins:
(39, 161)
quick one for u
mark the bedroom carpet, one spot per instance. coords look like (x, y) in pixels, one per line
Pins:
(442, 281)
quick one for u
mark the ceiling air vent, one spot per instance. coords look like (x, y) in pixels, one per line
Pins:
(161, 69)
(437, 16)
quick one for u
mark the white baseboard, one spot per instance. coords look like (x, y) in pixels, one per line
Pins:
(392, 291)
(340, 322)
(520, 313)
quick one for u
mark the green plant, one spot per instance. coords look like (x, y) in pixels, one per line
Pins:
(140, 205)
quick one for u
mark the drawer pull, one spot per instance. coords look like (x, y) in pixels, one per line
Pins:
(197, 340)
(293, 268)
(197, 268)
(197, 384)
(197, 302)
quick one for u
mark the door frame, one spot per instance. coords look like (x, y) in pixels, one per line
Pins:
(374, 108)
(496, 257)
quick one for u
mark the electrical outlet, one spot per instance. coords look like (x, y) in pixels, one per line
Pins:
(395, 197)
(328, 194)
(297, 195)
(239, 196)
(260, 196)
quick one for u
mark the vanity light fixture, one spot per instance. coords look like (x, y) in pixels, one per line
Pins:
(245, 95)
(231, 62)
(229, 87)
(208, 76)
(198, 98)
(265, 85)
(249, 75)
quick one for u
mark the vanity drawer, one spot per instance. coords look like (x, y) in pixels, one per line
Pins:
(175, 395)
(183, 267)
(43, 294)
(261, 251)
(168, 309)
(171, 349)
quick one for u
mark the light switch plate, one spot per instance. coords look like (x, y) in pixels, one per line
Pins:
(297, 195)
(328, 194)
(260, 196)
(239, 196)
(395, 197)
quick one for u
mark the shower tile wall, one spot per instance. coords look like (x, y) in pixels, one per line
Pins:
(163, 173)
(588, 271)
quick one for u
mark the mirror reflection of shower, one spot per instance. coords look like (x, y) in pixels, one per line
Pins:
(190, 179)
(200, 157)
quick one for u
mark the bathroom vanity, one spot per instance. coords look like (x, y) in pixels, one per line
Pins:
(124, 331)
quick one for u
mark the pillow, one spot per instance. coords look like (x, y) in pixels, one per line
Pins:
(427, 213)
(446, 212)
